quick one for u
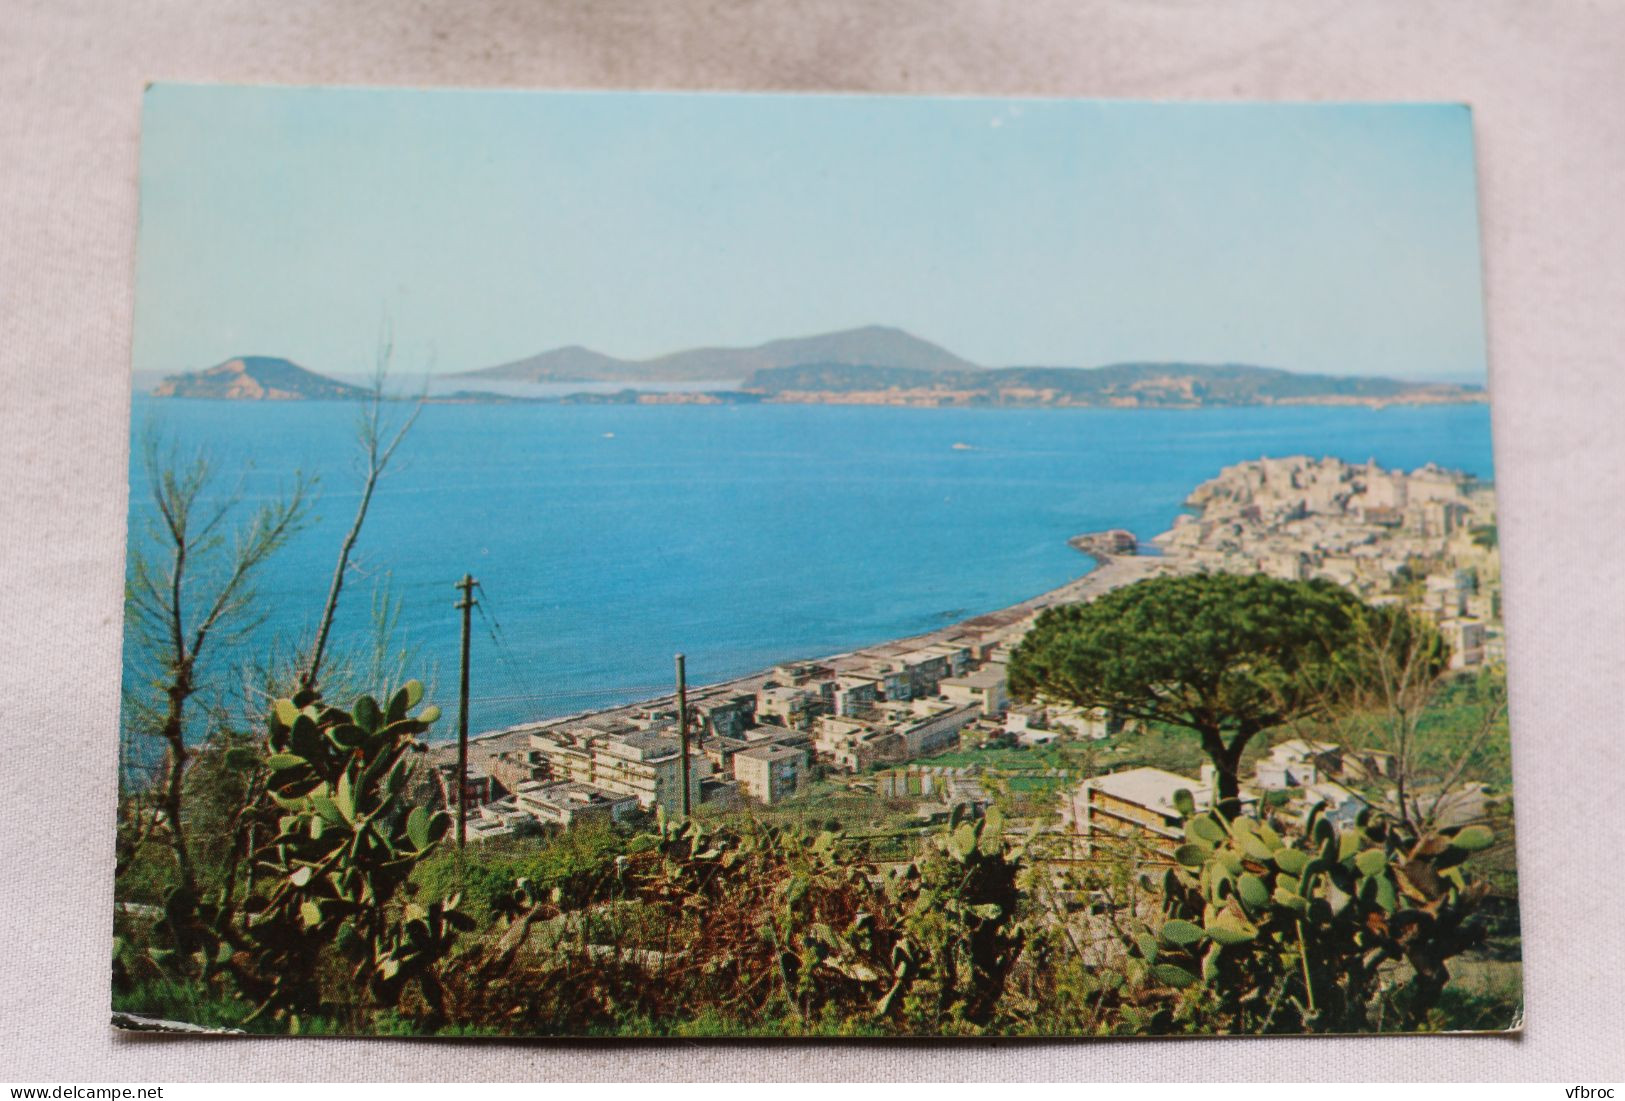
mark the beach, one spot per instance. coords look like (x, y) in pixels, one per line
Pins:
(1003, 626)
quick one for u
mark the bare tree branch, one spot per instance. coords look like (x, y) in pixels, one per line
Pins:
(378, 444)
(1393, 675)
(164, 603)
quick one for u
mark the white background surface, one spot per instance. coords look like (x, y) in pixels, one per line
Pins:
(1547, 82)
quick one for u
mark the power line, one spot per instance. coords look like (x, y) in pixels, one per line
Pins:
(506, 659)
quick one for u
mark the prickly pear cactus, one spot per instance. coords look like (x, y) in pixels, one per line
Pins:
(348, 840)
(1273, 934)
(784, 923)
(963, 924)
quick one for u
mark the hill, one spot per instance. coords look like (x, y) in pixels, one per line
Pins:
(257, 378)
(869, 366)
(870, 345)
(1174, 385)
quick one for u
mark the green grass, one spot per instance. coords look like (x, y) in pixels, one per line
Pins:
(149, 876)
(1483, 995)
(571, 861)
(826, 803)
(708, 1023)
(180, 1000)
(1070, 755)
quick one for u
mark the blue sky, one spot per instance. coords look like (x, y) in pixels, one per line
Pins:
(487, 226)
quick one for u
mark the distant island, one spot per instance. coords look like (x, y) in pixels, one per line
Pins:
(257, 378)
(1119, 385)
(875, 365)
(868, 346)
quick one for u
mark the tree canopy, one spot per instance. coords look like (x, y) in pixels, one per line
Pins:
(1223, 655)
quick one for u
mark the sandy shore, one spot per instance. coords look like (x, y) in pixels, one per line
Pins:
(1006, 624)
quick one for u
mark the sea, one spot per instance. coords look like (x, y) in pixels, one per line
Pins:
(608, 538)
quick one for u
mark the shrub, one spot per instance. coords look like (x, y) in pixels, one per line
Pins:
(347, 844)
(1267, 934)
(774, 930)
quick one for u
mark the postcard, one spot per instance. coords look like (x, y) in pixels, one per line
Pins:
(654, 565)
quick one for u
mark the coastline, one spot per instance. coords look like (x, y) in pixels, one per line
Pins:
(1286, 517)
(1106, 573)
(883, 400)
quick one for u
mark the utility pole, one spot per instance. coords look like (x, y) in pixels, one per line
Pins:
(682, 727)
(466, 606)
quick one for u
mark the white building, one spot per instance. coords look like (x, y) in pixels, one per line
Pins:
(565, 803)
(1135, 806)
(647, 766)
(856, 744)
(791, 705)
(986, 688)
(1295, 764)
(1094, 723)
(935, 726)
(1466, 638)
(1341, 805)
(854, 695)
(770, 773)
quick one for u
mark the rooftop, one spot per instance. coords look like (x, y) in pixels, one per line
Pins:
(569, 793)
(1150, 787)
(767, 732)
(642, 746)
(1299, 747)
(770, 753)
(721, 701)
(990, 675)
(788, 691)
